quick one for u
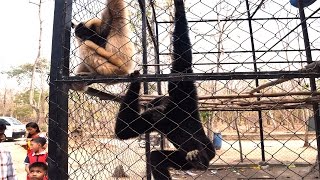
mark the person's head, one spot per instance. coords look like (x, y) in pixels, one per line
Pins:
(38, 171)
(38, 143)
(2, 129)
(32, 128)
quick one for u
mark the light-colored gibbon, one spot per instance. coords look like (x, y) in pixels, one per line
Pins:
(105, 47)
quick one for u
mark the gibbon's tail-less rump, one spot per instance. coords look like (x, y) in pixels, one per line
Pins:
(175, 116)
(105, 47)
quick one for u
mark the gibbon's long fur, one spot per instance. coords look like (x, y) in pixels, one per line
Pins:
(175, 116)
(105, 47)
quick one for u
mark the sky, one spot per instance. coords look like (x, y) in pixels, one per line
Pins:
(20, 34)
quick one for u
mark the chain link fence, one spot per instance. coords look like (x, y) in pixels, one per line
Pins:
(256, 72)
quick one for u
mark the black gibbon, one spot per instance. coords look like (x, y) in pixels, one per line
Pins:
(105, 47)
(175, 116)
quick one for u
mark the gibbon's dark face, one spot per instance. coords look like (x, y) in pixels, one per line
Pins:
(83, 32)
(154, 103)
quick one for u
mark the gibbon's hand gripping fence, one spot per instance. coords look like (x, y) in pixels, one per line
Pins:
(256, 69)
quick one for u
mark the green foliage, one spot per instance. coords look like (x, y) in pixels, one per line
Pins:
(24, 72)
(152, 87)
(21, 72)
(24, 97)
(306, 85)
(22, 111)
(205, 115)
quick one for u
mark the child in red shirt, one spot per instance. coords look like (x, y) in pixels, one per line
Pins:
(33, 132)
(37, 154)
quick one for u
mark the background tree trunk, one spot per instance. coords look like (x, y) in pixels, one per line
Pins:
(36, 106)
(239, 137)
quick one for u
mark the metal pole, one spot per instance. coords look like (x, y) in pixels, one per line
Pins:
(145, 84)
(157, 61)
(58, 92)
(263, 158)
(313, 85)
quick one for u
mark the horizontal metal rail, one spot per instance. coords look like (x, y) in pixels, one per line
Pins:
(193, 76)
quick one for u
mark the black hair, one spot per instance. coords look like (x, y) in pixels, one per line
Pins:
(2, 126)
(40, 140)
(32, 125)
(42, 165)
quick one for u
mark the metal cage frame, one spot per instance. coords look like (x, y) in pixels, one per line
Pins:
(60, 80)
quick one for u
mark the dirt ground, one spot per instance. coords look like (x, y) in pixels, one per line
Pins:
(246, 173)
(287, 160)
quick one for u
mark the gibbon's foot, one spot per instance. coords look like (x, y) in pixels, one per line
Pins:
(81, 74)
(135, 73)
(79, 86)
(195, 159)
(192, 155)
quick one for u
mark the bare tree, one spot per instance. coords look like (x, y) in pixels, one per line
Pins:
(4, 101)
(306, 115)
(37, 107)
(238, 134)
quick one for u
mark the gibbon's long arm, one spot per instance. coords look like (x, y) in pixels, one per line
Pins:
(93, 22)
(130, 123)
(111, 57)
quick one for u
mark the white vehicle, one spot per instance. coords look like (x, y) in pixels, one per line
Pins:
(15, 129)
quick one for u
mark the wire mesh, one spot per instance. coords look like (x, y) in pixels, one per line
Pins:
(266, 133)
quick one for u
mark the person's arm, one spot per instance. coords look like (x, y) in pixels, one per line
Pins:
(23, 144)
(27, 168)
(26, 162)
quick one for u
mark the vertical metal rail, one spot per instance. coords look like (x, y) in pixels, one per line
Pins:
(162, 140)
(157, 60)
(156, 49)
(58, 92)
(313, 85)
(263, 158)
(145, 84)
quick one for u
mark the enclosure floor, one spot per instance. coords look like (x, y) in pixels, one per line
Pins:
(288, 159)
(280, 173)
